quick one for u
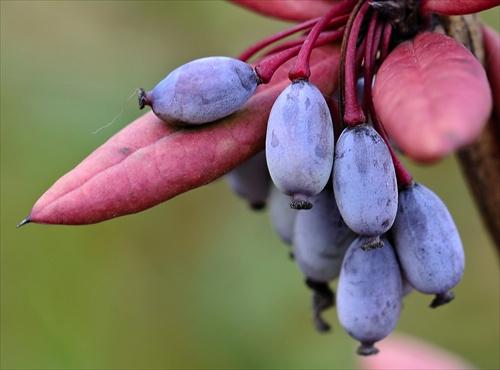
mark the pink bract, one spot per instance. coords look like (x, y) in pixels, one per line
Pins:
(457, 7)
(402, 351)
(149, 162)
(432, 96)
(491, 39)
(290, 10)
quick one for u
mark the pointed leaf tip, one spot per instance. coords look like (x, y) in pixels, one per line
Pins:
(149, 162)
(24, 222)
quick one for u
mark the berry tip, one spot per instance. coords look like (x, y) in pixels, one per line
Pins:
(143, 101)
(300, 204)
(367, 349)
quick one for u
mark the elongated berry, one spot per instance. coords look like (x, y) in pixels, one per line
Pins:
(364, 182)
(321, 238)
(201, 91)
(299, 142)
(282, 217)
(427, 243)
(320, 241)
(369, 294)
(251, 181)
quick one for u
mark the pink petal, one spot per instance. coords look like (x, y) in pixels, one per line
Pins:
(457, 7)
(291, 10)
(491, 39)
(432, 96)
(405, 352)
(149, 162)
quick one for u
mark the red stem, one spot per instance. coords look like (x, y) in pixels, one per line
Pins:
(301, 68)
(266, 68)
(360, 54)
(353, 115)
(386, 38)
(372, 41)
(251, 51)
(404, 177)
(254, 49)
(299, 41)
(375, 38)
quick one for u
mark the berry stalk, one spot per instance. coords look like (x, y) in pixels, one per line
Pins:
(301, 67)
(266, 69)
(352, 113)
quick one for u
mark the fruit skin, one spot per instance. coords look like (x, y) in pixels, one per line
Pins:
(427, 242)
(299, 142)
(364, 182)
(321, 238)
(282, 217)
(369, 294)
(201, 91)
(250, 180)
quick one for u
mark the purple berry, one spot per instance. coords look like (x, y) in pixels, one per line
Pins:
(320, 241)
(321, 238)
(369, 294)
(299, 142)
(201, 91)
(428, 243)
(281, 215)
(364, 182)
(251, 181)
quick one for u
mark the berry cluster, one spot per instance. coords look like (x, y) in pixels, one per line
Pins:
(419, 249)
(325, 164)
(339, 196)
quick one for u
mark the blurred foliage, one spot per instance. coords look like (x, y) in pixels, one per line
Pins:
(197, 282)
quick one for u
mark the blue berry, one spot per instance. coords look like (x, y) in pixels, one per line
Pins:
(427, 243)
(369, 294)
(364, 182)
(299, 142)
(202, 91)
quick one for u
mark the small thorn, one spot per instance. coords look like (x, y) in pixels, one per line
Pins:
(24, 222)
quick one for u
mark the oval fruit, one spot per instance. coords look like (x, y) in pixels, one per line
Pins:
(369, 294)
(321, 238)
(299, 142)
(201, 91)
(427, 243)
(364, 182)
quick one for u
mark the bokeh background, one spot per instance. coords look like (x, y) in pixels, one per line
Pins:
(199, 281)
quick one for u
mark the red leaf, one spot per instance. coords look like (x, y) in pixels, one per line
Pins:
(432, 96)
(149, 162)
(491, 39)
(457, 7)
(290, 10)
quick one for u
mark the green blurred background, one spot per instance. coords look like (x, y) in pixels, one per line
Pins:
(199, 281)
